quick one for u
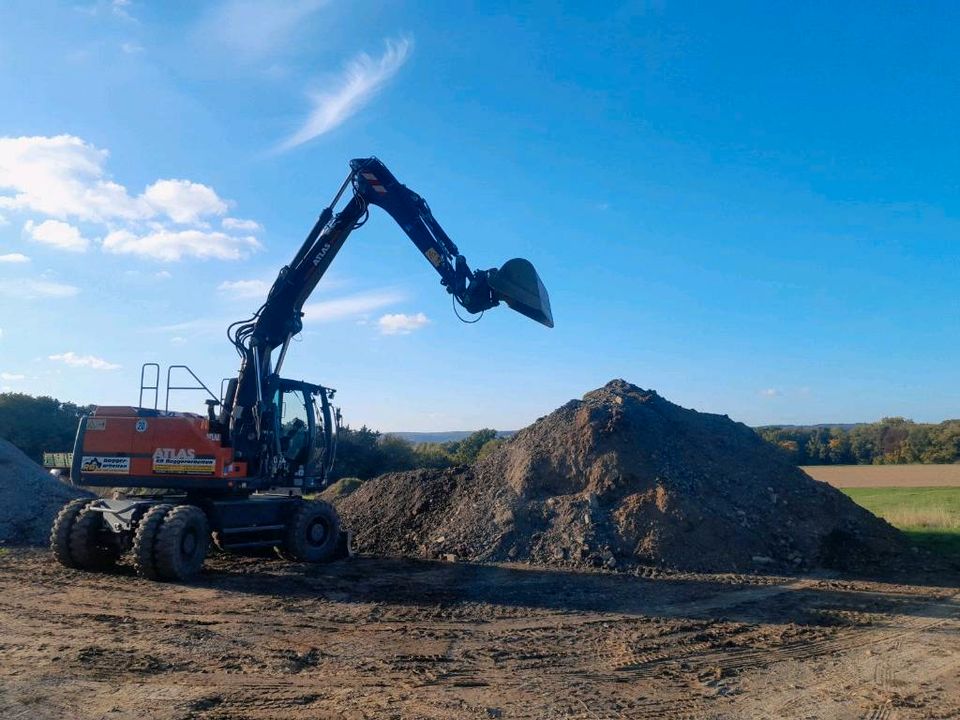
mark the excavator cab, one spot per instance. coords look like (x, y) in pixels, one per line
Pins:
(307, 429)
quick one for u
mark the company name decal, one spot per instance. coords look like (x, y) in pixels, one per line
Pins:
(182, 461)
(105, 465)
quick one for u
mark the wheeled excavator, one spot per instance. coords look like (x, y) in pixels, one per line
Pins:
(237, 476)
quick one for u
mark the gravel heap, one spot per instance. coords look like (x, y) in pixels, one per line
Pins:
(30, 498)
(623, 478)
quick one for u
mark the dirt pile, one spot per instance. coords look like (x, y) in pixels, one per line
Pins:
(623, 477)
(30, 498)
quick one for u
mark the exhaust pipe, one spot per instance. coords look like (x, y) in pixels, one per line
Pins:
(519, 286)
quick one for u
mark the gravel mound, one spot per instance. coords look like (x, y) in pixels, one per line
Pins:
(30, 498)
(622, 478)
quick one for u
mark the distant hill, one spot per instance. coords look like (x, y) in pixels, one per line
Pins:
(442, 436)
(818, 426)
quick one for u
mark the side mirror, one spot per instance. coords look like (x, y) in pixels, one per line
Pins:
(519, 286)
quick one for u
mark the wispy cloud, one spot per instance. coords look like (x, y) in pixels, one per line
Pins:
(350, 306)
(14, 258)
(197, 326)
(12, 376)
(232, 223)
(30, 289)
(402, 324)
(90, 361)
(172, 245)
(253, 29)
(770, 392)
(362, 78)
(245, 288)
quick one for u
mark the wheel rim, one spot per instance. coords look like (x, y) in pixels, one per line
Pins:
(317, 532)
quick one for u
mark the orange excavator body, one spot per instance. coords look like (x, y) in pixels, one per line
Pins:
(120, 446)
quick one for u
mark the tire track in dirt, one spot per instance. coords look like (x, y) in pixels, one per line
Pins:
(300, 644)
(851, 674)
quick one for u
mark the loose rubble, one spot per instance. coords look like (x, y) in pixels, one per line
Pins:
(623, 478)
(30, 498)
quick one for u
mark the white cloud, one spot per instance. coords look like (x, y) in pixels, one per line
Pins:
(131, 48)
(14, 258)
(362, 78)
(184, 201)
(401, 324)
(349, 306)
(55, 233)
(90, 361)
(3, 221)
(245, 288)
(62, 176)
(253, 29)
(171, 245)
(163, 275)
(230, 223)
(770, 392)
(30, 289)
(12, 376)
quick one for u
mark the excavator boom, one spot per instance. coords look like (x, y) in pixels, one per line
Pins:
(516, 283)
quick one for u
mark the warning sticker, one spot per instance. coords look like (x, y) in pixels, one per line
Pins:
(182, 462)
(96, 424)
(105, 465)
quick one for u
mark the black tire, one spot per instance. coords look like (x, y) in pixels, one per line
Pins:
(91, 547)
(60, 532)
(313, 533)
(145, 541)
(182, 543)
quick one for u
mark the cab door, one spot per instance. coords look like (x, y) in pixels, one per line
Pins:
(297, 430)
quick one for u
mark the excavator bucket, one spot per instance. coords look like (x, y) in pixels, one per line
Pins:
(518, 285)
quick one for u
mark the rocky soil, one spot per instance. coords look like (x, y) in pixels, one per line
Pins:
(261, 639)
(30, 498)
(624, 478)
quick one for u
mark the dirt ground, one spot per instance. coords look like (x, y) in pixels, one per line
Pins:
(381, 638)
(853, 476)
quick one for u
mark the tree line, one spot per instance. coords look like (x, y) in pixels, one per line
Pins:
(893, 440)
(39, 424)
(45, 424)
(366, 453)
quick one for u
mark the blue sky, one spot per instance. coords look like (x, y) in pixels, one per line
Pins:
(751, 208)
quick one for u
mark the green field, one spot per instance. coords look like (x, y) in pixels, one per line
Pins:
(930, 516)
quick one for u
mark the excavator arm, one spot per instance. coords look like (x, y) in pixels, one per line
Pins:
(280, 317)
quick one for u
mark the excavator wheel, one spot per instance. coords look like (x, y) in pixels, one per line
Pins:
(90, 546)
(145, 541)
(313, 534)
(182, 543)
(60, 533)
